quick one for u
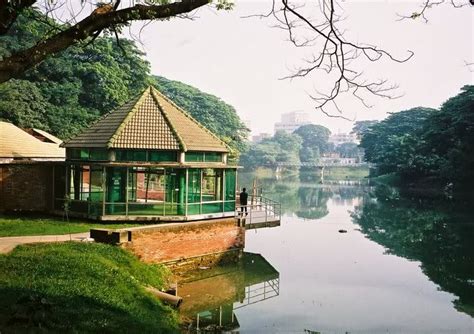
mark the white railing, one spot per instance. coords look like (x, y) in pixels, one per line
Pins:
(260, 210)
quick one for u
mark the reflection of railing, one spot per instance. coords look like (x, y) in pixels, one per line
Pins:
(260, 292)
(260, 210)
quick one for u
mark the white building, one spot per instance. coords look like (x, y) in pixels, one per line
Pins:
(341, 138)
(292, 121)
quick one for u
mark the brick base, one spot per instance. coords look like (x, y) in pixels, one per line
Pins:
(187, 245)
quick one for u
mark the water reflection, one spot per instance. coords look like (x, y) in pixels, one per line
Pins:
(351, 282)
(211, 296)
(304, 196)
(437, 234)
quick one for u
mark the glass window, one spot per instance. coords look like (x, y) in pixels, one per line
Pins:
(162, 156)
(230, 178)
(85, 182)
(98, 154)
(79, 185)
(146, 185)
(175, 191)
(203, 157)
(96, 184)
(87, 154)
(130, 155)
(213, 157)
(73, 153)
(194, 156)
(211, 185)
(194, 186)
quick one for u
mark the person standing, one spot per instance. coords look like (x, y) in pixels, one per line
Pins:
(243, 201)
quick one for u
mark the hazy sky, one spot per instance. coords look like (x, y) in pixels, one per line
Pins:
(241, 60)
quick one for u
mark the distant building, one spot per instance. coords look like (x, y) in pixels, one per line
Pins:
(341, 138)
(292, 121)
(261, 136)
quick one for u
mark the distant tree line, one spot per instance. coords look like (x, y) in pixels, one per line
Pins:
(306, 144)
(67, 92)
(427, 144)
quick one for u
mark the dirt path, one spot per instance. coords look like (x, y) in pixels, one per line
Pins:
(8, 243)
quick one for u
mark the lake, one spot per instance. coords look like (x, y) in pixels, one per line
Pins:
(403, 266)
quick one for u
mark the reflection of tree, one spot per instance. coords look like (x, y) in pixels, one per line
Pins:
(299, 195)
(313, 202)
(440, 240)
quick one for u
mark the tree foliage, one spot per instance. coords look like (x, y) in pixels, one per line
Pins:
(424, 142)
(391, 143)
(315, 141)
(360, 127)
(67, 92)
(218, 116)
(281, 148)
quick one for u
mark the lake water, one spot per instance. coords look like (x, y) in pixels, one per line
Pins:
(402, 267)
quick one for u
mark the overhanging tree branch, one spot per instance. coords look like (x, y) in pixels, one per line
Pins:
(16, 64)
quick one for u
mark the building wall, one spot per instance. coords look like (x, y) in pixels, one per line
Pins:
(26, 187)
(187, 244)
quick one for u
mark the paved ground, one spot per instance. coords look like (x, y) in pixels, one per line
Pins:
(8, 243)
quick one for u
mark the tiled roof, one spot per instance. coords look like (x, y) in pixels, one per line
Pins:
(18, 144)
(49, 137)
(150, 121)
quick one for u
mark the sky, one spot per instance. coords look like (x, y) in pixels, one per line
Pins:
(242, 60)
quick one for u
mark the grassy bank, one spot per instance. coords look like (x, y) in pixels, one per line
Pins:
(14, 225)
(80, 287)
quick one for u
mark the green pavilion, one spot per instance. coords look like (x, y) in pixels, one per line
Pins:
(147, 160)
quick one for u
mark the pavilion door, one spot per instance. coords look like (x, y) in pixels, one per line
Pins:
(116, 187)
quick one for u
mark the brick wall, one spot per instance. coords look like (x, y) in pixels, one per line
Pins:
(188, 244)
(26, 187)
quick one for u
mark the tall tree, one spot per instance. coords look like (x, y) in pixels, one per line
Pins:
(333, 52)
(315, 141)
(392, 144)
(447, 149)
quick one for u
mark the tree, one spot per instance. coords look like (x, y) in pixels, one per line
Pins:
(333, 53)
(68, 91)
(23, 104)
(282, 148)
(447, 149)
(360, 127)
(315, 141)
(218, 116)
(348, 150)
(104, 17)
(393, 143)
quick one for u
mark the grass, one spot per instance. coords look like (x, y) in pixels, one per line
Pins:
(80, 287)
(14, 225)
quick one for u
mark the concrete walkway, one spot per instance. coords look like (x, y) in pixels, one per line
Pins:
(8, 243)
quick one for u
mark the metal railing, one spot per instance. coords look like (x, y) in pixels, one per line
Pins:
(259, 210)
(260, 292)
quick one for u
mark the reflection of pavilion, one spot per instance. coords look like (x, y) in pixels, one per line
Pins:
(211, 296)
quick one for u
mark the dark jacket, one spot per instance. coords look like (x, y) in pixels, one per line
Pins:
(243, 198)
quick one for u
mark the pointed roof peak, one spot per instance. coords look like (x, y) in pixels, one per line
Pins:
(151, 120)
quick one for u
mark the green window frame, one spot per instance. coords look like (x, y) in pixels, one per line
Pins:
(203, 157)
(97, 154)
(146, 155)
